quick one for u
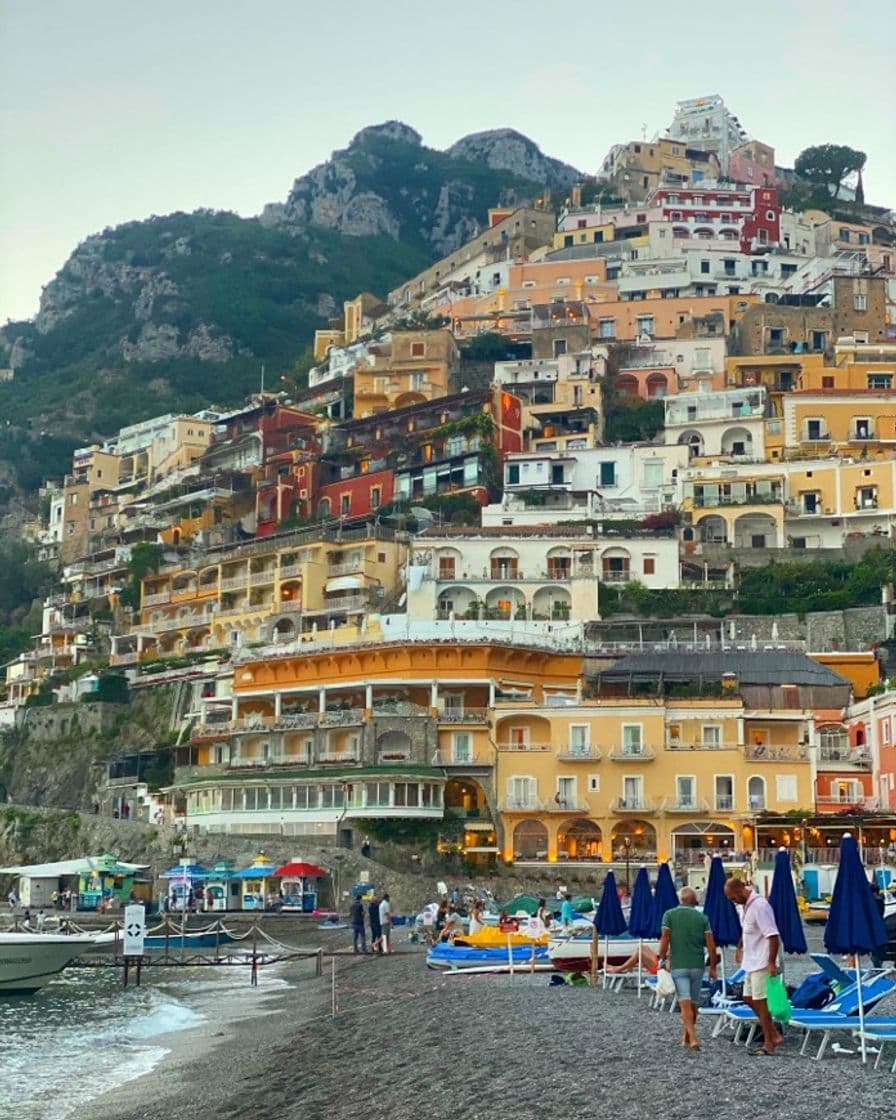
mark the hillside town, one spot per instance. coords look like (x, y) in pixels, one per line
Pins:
(483, 566)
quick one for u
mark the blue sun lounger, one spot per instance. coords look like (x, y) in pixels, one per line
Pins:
(840, 1013)
(881, 1036)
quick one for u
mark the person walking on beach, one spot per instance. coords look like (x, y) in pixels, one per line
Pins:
(476, 921)
(359, 934)
(877, 955)
(376, 931)
(757, 953)
(566, 912)
(686, 935)
(386, 923)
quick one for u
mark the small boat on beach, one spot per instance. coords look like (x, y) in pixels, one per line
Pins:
(29, 961)
(198, 939)
(450, 957)
(572, 952)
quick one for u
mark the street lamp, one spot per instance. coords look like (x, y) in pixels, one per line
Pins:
(627, 845)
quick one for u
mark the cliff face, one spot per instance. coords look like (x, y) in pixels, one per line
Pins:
(180, 311)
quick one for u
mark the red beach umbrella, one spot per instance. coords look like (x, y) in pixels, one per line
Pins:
(298, 869)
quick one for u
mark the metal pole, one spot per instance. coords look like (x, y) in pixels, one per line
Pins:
(333, 987)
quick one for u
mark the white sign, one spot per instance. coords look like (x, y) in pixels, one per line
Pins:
(134, 930)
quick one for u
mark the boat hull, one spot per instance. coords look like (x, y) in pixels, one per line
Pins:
(450, 957)
(185, 941)
(29, 961)
(573, 954)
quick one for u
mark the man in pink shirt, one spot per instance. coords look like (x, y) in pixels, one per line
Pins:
(758, 955)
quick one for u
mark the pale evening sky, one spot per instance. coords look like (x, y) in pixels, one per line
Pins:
(112, 110)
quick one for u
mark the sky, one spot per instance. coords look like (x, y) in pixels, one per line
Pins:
(112, 111)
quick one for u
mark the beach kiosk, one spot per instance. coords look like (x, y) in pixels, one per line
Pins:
(256, 882)
(299, 885)
(183, 882)
(220, 887)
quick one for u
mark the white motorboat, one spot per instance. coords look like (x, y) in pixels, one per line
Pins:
(572, 952)
(29, 961)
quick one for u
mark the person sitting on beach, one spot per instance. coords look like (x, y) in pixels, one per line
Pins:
(649, 961)
(454, 925)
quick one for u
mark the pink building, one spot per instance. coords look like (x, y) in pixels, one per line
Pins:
(752, 164)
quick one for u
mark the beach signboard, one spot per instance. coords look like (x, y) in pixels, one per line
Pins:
(134, 930)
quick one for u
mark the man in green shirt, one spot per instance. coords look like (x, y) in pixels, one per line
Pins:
(686, 937)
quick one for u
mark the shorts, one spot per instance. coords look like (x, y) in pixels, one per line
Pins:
(688, 983)
(755, 984)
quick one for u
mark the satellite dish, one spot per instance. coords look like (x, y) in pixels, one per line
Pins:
(421, 515)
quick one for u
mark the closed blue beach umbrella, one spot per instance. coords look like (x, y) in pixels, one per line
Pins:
(854, 924)
(609, 919)
(640, 919)
(665, 897)
(782, 899)
(721, 912)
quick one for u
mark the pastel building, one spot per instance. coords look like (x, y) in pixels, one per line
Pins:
(728, 424)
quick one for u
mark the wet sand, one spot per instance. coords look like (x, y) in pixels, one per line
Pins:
(408, 1043)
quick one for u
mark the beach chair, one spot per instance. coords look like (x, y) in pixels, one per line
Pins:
(840, 1014)
(880, 1036)
(833, 971)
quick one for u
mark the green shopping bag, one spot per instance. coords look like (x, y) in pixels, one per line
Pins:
(778, 1004)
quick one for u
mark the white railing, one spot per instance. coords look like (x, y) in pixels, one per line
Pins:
(287, 571)
(349, 568)
(156, 599)
(685, 805)
(763, 752)
(235, 583)
(632, 805)
(341, 718)
(521, 805)
(463, 715)
(631, 754)
(525, 746)
(579, 754)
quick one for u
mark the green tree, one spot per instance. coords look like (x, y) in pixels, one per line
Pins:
(145, 558)
(829, 165)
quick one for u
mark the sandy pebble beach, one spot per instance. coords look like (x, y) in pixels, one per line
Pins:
(410, 1043)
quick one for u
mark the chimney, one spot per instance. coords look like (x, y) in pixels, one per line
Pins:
(576, 196)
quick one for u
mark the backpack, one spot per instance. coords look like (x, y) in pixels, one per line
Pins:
(814, 992)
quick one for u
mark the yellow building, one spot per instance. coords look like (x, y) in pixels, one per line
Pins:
(412, 367)
(674, 755)
(268, 590)
(857, 423)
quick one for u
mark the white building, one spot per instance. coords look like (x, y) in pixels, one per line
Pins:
(707, 124)
(728, 423)
(542, 574)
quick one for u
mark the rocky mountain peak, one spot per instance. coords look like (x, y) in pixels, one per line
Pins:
(390, 130)
(505, 149)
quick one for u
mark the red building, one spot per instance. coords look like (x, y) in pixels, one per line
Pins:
(748, 215)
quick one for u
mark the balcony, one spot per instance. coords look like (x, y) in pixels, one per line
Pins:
(296, 721)
(157, 599)
(525, 747)
(290, 571)
(685, 805)
(838, 758)
(287, 606)
(679, 746)
(521, 805)
(622, 575)
(579, 754)
(756, 803)
(765, 752)
(724, 803)
(349, 568)
(386, 708)
(331, 757)
(463, 715)
(234, 583)
(221, 730)
(623, 805)
(631, 754)
(858, 801)
(565, 805)
(345, 718)
(262, 576)
(124, 658)
(708, 501)
(459, 758)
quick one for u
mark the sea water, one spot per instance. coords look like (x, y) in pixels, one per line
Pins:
(85, 1033)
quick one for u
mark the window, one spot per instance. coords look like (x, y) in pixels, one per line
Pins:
(704, 267)
(776, 336)
(607, 328)
(712, 735)
(632, 742)
(594, 783)
(376, 496)
(819, 340)
(566, 793)
(644, 324)
(756, 794)
(769, 215)
(607, 474)
(345, 504)
(447, 567)
(724, 785)
(522, 792)
(686, 791)
(649, 565)
(880, 381)
(418, 349)
(860, 301)
(844, 234)
(633, 792)
(462, 748)
(653, 473)
(578, 739)
(513, 474)
(786, 787)
(827, 382)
